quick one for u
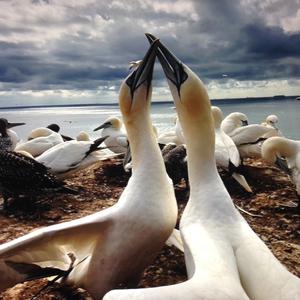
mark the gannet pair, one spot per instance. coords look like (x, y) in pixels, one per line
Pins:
(248, 138)
(8, 138)
(225, 259)
(276, 148)
(40, 140)
(116, 141)
(23, 176)
(112, 247)
(64, 159)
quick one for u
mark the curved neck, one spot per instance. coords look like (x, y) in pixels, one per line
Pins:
(280, 147)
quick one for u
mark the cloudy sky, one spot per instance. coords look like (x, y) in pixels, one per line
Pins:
(77, 51)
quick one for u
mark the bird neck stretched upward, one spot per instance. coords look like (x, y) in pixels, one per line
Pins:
(143, 144)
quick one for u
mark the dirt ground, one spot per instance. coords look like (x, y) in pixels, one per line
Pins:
(274, 219)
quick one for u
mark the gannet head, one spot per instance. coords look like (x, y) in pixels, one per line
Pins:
(238, 118)
(217, 115)
(188, 91)
(54, 127)
(39, 132)
(4, 125)
(83, 136)
(137, 87)
(272, 120)
(111, 122)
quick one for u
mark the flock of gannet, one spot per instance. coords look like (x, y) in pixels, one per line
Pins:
(225, 259)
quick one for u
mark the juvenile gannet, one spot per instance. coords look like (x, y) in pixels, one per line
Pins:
(112, 247)
(66, 158)
(226, 153)
(274, 148)
(40, 140)
(8, 138)
(225, 259)
(248, 138)
(56, 128)
(117, 139)
(23, 176)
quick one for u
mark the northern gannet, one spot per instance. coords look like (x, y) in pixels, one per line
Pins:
(271, 122)
(40, 140)
(8, 138)
(226, 153)
(23, 176)
(56, 128)
(111, 247)
(66, 158)
(248, 138)
(117, 139)
(225, 259)
(275, 148)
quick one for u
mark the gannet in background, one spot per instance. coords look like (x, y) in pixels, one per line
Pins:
(83, 136)
(275, 148)
(225, 259)
(56, 128)
(117, 139)
(226, 153)
(66, 158)
(23, 176)
(248, 138)
(40, 140)
(111, 247)
(8, 138)
(271, 122)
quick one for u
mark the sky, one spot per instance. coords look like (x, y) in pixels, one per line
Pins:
(77, 51)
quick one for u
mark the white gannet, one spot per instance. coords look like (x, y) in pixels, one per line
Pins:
(248, 138)
(271, 122)
(117, 139)
(66, 158)
(22, 175)
(8, 138)
(226, 153)
(111, 247)
(40, 140)
(225, 259)
(275, 148)
(83, 136)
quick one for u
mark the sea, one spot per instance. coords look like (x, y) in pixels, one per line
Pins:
(75, 118)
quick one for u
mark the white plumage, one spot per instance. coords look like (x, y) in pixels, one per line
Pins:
(113, 246)
(40, 140)
(225, 259)
(117, 141)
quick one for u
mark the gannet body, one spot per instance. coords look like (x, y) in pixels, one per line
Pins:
(111, 247)
(225, 259)
(8, 138)
(117, 139)
(226, 153)
(66, 158)
(40, 140)
(275, 148)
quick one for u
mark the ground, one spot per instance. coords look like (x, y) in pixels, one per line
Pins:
(271, 206)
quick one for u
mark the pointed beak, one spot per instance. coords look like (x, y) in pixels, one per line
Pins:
(10, 125)
(104, 125)
(143, 73)
(172, 66)
(244, 123)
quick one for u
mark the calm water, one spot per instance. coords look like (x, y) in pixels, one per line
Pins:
(74, 119)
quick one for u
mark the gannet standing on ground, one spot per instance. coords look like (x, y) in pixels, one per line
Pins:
(8, 138)
(23, 176)
(117, 139)
(66, 158)
(248, 138)
(274, 148)
(111, 247)
(226, 153)
(225, 259)
(40, 140)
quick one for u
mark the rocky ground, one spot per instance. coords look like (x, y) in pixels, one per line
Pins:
(271, 206)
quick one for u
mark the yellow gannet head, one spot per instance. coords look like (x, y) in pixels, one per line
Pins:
(272, 120)
(83, 136)
(238, 118)
(111, 122)
(135, 90)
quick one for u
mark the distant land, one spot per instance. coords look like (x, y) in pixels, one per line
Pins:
(213, 101)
